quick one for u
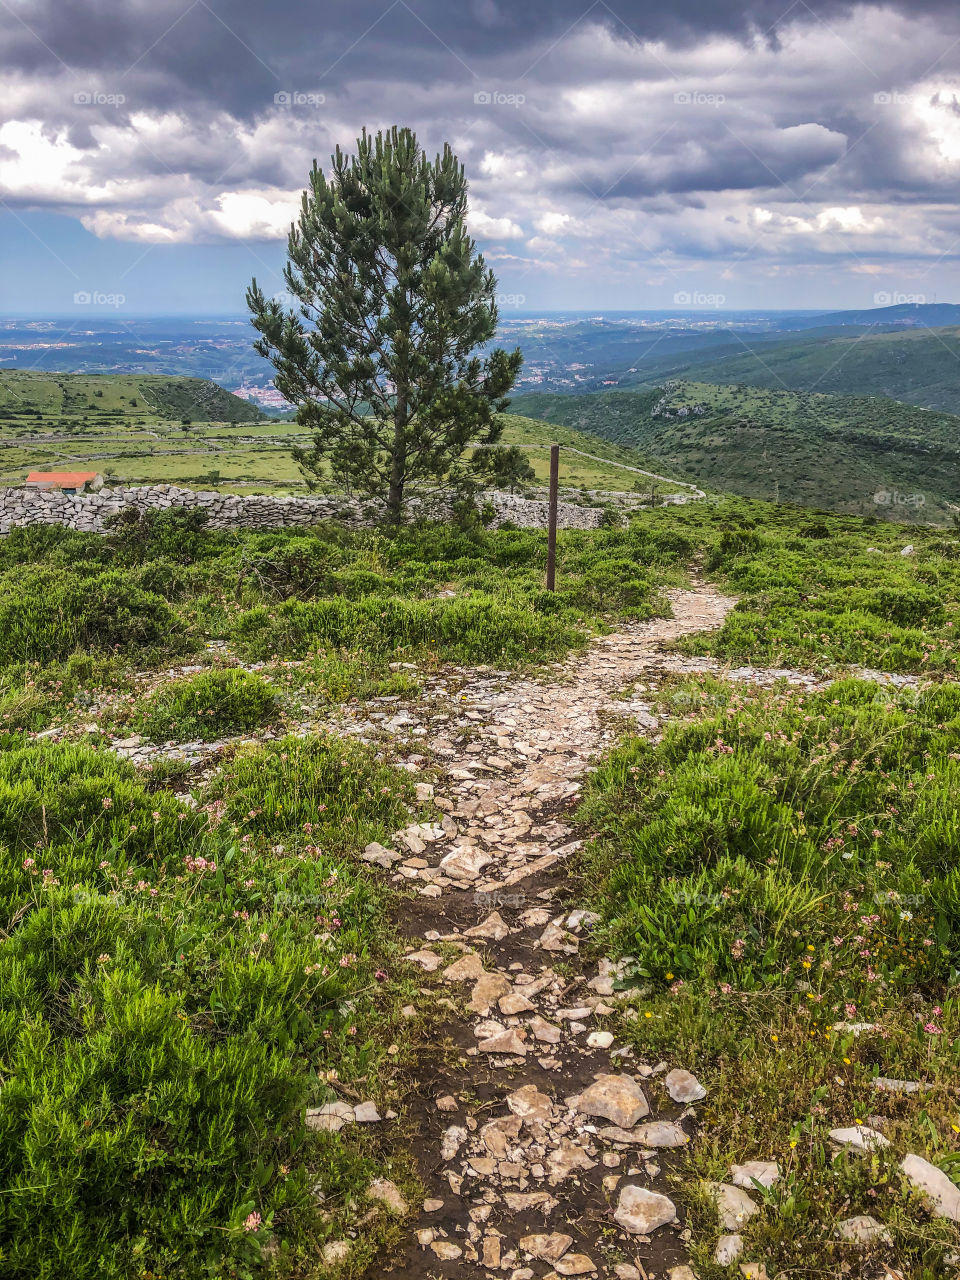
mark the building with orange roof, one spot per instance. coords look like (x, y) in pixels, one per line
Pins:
(65, 481)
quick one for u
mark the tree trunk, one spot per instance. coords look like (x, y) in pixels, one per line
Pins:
(398, 464)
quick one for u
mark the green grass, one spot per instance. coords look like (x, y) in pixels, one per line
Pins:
(48, 613)
(175, 990)
(163, 1025)
(817, 592)
(781, 863)
(213, 704)
(129, 427)
(130, 397)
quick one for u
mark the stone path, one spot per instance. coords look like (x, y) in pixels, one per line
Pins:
(140, 751)
(544, 1145)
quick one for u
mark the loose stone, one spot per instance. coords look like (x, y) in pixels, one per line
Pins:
(860, 1136)
(575, 1264)
(733, 1205)
(548, 1248)
(640, 1211)
(729, 1249)
(864, 1230)
(684, 1087)
(616, 1098)
(766, 1172)
(387, 1193)
(331, 1117)
(943, 1195)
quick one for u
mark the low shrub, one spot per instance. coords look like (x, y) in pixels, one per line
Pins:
(33, 695)
(778, 838)
(476, 628)
(47, 613)
(321, 790)
(779, 875)
(174, 990)
(178, 534)
(213, 704)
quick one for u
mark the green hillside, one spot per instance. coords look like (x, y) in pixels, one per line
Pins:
(857, 455)
(920, 367)
(97, 397)
(605, 470)
(131, 428)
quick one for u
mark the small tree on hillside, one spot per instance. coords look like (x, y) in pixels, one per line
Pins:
(505, 468)
(393, 302)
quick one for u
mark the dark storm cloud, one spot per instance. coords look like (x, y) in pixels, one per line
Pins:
(716, 127)
(237, 53)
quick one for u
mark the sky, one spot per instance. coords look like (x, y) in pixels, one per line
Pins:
(695, 153)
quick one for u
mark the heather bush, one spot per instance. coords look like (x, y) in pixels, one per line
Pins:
(174, 988)
(212, 704)
(472, 629)
(751, 842)
(47, 613)
(779, 874)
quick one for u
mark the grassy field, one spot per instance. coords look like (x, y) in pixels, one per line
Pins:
(68, 397)
(190, 960)
(781, 869)
(131, 429)
(858, 455)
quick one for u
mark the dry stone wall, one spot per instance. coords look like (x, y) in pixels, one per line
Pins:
(89, 511)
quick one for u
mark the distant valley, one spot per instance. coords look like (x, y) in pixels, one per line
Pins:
(858, 455)
(855, 412)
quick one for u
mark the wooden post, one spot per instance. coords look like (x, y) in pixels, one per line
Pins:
(552, 518)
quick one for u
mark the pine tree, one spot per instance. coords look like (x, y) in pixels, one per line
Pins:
(380, 354)
(507, 468)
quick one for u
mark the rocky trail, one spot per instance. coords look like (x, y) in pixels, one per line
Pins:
(545, 1146)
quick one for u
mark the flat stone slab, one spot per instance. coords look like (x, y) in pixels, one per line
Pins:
(616, 1098)
(943, 1195)
(640, 1211)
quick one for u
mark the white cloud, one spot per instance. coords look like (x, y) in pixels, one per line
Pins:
(257, 215)
(636, 157)
(552, 222)
(482, 224)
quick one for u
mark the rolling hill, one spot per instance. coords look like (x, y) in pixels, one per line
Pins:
(131, 427)
(118, 397)
(925, 315)
(851, 454)
(918, 366)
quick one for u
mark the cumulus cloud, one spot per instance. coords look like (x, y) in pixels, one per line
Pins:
(654, 139)
(490, 228)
